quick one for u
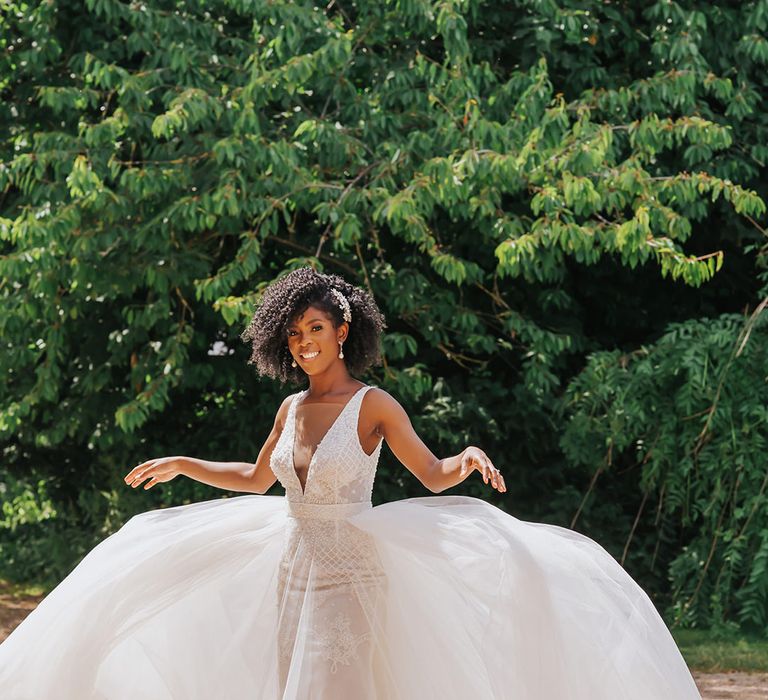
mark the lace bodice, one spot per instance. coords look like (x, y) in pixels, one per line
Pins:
(340, 471)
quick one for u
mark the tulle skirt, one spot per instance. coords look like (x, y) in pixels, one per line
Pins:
(256, 597)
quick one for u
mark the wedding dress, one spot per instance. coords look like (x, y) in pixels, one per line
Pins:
(318, 595)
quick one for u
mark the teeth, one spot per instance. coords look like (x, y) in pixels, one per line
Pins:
(309, 355)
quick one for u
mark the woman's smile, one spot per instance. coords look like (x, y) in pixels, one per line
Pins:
(315, 342)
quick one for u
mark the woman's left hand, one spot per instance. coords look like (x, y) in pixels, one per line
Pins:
(475, 458)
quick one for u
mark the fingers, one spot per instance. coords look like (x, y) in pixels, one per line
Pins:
(131, 475)
(138, 479)
(497, 479)
(488, 470)
(490, 473)
(139, 473)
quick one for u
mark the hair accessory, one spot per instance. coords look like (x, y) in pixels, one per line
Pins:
(343, 303)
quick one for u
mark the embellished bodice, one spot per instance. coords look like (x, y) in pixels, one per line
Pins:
(339, 472)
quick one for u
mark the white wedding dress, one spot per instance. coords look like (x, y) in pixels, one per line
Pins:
(318, 595)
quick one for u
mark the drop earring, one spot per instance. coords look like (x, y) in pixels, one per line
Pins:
(341, 352)
(293, 363)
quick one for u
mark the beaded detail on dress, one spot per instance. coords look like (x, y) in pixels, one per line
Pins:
(340, 471)
(330, 584)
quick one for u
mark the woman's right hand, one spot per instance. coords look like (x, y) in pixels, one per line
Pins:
(156, 470)
(474, 458)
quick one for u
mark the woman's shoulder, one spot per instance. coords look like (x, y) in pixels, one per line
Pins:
(378, 393)
(378, 403)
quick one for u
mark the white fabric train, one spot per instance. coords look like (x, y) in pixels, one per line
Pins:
(318, 595)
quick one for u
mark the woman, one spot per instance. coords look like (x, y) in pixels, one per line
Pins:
(320, 595)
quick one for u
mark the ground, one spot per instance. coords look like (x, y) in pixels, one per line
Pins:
(14, 607)
(735, 685)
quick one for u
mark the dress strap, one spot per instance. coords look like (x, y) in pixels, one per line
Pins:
(358, 398)
(291, 419)
(295, 401)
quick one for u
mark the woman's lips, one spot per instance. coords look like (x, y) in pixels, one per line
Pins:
(308, 359)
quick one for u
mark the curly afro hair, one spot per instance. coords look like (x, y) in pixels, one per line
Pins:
(287, 298)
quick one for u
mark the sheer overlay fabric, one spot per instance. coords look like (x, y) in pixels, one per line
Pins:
(318, 595)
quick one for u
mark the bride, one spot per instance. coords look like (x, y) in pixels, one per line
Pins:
(319, 595)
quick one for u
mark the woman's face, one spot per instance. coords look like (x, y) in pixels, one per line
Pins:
(313, 341)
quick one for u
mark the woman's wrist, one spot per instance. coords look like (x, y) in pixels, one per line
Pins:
(191, 468)
(447, 472)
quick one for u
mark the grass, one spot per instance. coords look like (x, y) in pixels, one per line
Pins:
(19, 589)
(708, 652)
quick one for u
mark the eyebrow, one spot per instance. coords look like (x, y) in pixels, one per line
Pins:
(310, 321)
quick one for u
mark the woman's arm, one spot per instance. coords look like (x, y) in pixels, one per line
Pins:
(437, 475)
(231, 476)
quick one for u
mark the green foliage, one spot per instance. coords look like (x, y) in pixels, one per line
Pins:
(690, 413)
(518, 184)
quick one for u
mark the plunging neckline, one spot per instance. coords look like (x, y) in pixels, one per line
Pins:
(303, 489)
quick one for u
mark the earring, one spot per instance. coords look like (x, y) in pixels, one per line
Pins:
(293, 363)
(341, 352)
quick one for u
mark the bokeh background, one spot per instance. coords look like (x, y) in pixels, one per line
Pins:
(558, 205)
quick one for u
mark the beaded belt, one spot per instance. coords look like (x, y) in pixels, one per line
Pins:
(325, 511)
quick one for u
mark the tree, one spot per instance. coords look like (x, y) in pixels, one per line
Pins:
(167, 160)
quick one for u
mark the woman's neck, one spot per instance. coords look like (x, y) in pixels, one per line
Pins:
(335, 385)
